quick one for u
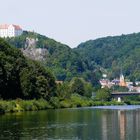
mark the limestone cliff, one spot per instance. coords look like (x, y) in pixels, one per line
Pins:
(32, 52)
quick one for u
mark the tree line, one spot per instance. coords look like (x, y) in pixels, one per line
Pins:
(23, 78)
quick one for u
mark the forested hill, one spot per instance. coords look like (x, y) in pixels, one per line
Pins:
(21, 77)
(89, 60)
(64, 62)
(114, 54)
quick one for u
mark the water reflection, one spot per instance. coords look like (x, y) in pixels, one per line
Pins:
(76, 124)
(122, 124)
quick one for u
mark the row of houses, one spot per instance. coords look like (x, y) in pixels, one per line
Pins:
(120, 82)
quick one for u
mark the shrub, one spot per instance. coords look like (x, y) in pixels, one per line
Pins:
(65, 104)
(54, 101)
(80, 101)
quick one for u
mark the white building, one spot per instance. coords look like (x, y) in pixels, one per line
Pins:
(10, 30)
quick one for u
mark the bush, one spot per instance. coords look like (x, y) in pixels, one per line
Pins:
(23, 105)
(103, 95)
(42, 104)
(54, 101)
(65, 104)
(80, 101)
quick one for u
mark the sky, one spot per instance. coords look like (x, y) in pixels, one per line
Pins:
(73, 21)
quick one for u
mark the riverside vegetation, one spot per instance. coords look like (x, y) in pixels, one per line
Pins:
(28, 85)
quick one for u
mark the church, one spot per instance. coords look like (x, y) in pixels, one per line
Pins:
(122, 81)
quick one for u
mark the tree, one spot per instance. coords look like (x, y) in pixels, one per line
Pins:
(37, 82)
(63, 90)
(119, 88)
(23, 78)
(88, 89)
(77, 86)
(103, 94)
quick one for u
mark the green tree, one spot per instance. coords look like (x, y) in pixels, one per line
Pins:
(88, 89)
(77, 86)
(23, 78)
(117, 88)
(103, 94)
(63, 90)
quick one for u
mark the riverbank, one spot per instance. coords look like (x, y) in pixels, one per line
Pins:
(20, 105)
(74, 101)
(23, 105)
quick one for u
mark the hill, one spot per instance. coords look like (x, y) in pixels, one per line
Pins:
(114, 54)
(21, 77)
(89, 60)
(64, 62)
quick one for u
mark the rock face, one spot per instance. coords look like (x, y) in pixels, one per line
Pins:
(32, 52)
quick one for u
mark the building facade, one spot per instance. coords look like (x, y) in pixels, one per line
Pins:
(10, 30)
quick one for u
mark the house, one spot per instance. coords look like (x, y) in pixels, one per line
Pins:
(10, 30)
(105, 83)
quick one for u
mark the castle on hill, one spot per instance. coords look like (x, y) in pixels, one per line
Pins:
(10, 30)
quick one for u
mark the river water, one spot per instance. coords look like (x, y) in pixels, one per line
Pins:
(92, 123)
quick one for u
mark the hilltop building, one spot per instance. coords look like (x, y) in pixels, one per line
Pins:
(10, 30)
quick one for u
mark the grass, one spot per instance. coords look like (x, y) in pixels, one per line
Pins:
(23, 105)
(34, 105)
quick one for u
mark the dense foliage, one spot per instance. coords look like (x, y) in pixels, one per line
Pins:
(23, 78)
(81, 87)
(80, 68)
(90, 59)
(113, 54)
(61, 59)
(41, 104)
(103, 95)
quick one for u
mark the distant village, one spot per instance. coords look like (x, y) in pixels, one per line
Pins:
(105, 82)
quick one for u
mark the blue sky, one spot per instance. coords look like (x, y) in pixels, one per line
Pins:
(73, 21)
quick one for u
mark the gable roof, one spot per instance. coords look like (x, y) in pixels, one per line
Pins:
(6, 26)
(17, 27)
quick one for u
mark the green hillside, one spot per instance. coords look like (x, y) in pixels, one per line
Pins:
(90, 59)
(61, 59)
(114, 54)
(21, 77)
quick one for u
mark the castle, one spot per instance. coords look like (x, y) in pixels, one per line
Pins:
(10, 30)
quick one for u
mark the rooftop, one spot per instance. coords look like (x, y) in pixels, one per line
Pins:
(6, 26)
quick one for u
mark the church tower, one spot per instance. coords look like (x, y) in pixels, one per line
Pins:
(122, 81)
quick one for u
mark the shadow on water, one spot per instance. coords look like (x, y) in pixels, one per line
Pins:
(72, 124)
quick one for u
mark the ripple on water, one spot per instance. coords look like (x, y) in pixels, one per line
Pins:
(71, 125)
(121, 107)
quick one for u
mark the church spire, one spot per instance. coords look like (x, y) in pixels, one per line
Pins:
(122, 80)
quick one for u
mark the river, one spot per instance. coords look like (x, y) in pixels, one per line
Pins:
(91, 123)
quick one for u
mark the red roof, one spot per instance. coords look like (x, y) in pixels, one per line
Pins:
(5, 26)
(17, 27)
